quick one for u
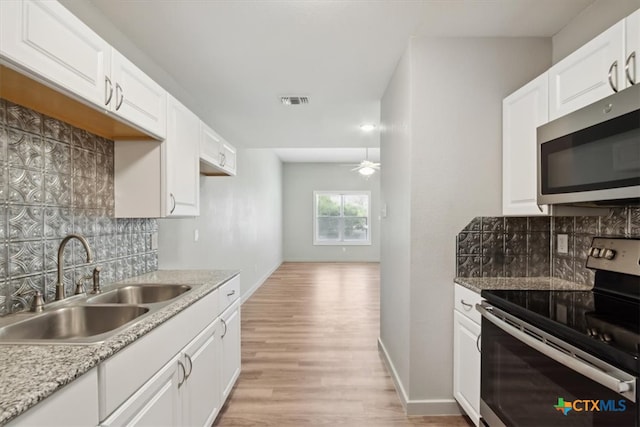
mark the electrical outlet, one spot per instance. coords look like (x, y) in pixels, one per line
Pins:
(154, 241)
(563, 243)
(196, 235)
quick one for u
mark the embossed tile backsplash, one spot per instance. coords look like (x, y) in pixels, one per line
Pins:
(56, 179)
(522, 247)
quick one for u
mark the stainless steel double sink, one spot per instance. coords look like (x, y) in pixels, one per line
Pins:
(91, 318)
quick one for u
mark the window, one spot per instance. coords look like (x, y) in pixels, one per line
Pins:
(341, 217)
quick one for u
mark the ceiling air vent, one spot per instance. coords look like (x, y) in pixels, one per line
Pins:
(294, 100)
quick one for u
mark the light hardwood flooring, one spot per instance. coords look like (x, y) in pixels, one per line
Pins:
(309, 353)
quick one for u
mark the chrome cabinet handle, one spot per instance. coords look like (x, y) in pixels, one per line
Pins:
(119, 89)
(173, 199)
(614, 65)
(630, 77)
(184, 374)
(225, 328)
(233, 292)
(466, 305)
(190, 366)
(478, 343)
(223, 159)
(107, 81)
(565, 354)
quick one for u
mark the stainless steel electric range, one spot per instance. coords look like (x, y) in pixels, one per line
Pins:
(566, 358)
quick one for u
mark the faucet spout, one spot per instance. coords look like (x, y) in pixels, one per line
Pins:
(60, 285)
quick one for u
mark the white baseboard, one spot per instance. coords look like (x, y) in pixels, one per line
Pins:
(428, 407)
(260, 282)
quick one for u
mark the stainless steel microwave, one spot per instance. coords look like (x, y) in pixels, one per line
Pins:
(592, 156)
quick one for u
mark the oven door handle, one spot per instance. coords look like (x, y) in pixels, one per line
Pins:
(563, 353)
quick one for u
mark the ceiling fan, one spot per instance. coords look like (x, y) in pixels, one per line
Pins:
(367, 167)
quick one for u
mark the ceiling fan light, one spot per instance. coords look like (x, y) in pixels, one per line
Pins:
(366, 171)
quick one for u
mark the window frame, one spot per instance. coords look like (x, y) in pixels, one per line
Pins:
(341, 242)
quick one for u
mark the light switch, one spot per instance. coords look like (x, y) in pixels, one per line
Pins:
(154, 241)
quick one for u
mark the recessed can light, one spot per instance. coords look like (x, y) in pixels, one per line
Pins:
(367, 127)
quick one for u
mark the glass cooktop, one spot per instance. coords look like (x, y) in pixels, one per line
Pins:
(605, 325)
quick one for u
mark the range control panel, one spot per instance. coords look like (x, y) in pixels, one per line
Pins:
(615, 254)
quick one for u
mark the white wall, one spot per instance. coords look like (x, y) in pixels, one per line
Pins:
(240, 223)
(596, 18)
(300, 180)
(454, 157)
(395, 185)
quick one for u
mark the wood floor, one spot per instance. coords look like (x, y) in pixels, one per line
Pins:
(309, 353)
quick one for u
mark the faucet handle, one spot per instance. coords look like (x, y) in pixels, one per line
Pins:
(80, 288)
(37, 304)
(96, 280)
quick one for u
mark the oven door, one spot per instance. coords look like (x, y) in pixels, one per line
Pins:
(530, 378)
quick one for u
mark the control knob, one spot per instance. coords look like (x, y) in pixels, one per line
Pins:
(595, 252)
(609, 254)
(606, 337)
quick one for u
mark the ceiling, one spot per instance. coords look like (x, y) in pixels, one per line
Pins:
(236, 58)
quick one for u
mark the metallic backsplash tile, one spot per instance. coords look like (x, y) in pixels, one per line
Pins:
(56, 179)
(526, 246)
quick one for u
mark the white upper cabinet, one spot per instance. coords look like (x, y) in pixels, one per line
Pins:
(181, 157)
(605, 65)
(592, 72)
(46, 40)
(632, 48)
(160, 179)
(135, 97)
(522, 112)
(217, 156)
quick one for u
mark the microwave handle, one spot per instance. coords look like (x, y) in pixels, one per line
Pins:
(562, 352)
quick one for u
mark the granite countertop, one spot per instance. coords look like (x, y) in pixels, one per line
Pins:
(479, 284)
(30, 373)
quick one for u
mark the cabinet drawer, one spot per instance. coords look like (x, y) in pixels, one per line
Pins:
(465, 302)
(229, 292)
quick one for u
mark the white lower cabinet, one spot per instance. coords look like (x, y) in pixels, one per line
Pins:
(185, 392)
(75, 405)
(201, 390)
(180, 373)
(230, 347)
(466, 352)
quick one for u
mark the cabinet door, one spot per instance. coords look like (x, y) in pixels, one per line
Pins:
(210, 145)
(466, 365)
(230, 339)
(48, 41)
(588, 74)
(136, 97)
(156, 403)
(632, 47)
(201, 401)
(228, 161)
(182, 175)
(522, 112)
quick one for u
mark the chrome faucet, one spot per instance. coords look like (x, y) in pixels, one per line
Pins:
(60, 284)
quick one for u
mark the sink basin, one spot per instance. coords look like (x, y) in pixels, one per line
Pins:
(140, 294)
(73, 322)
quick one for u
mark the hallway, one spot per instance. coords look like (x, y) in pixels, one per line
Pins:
(309, 353)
